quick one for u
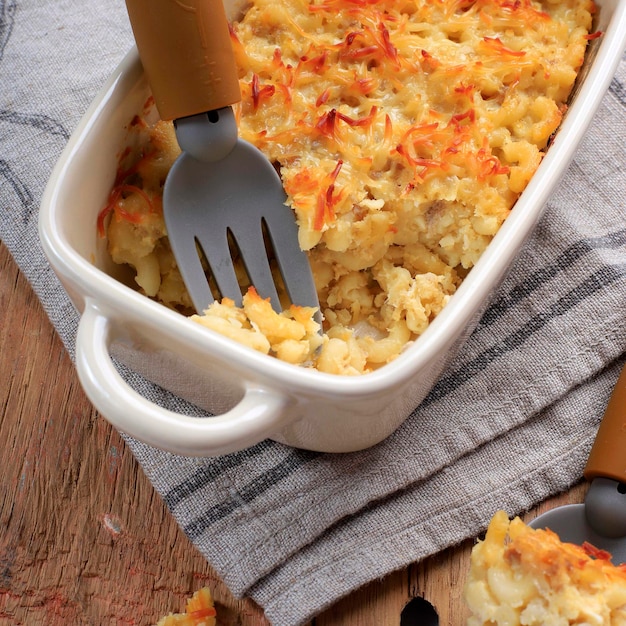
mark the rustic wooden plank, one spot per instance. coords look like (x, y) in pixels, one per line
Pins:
(84, 537)
(377, 604)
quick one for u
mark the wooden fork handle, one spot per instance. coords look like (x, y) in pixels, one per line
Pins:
(186, 52)
(608, 455)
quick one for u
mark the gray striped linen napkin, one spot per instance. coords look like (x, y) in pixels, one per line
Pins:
(508, 424)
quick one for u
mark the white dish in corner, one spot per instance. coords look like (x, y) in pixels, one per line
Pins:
(255, 396)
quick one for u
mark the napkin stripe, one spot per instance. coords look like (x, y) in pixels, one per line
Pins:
(594, 283)
(262, 483)
(209, 472)
(36, 120)
(537, 279)
(21, 190)
(616, 88)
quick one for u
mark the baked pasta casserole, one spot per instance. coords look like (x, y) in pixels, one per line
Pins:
(524, 576)
(403, 131)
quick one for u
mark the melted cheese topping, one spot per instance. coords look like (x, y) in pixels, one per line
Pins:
(404, 132)
(523, 576)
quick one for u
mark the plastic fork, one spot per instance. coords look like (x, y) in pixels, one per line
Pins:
(601, 520)
(222, 197)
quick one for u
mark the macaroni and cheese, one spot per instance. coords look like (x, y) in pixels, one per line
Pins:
(403, 131)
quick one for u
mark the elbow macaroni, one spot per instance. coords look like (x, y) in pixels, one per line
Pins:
(403, 130)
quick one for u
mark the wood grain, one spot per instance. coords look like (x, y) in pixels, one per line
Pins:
(85, 539)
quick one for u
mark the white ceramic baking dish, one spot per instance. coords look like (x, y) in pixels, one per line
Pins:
(254, 396)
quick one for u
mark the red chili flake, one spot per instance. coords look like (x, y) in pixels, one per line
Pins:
(390, 50)
(364, 85)
(259, 93)
(302, 183)
(113, 205)
(326, 200)
(466, 90)
(329, 194)
(326, 123)
(350, 37)
(148, 104)
(360, 53)
(277, 58)
(408, 189)
(530, 11)
(469, 115)
(112, 201)
(416, 162)
(596, 553)
(428, 61)
(318, 63)
(363, 121)
(489, 165)
(336, 171)
(255, 91)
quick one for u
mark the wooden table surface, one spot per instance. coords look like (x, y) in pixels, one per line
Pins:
(85, 539)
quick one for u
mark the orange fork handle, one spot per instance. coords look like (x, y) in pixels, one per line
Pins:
(608, 454)
(186, 52)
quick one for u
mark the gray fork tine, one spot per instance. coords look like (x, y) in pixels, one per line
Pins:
(214, 245)
(190, 268)
(255, 259)
(293, 263)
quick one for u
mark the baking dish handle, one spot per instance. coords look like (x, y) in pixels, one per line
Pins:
(259, 414)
